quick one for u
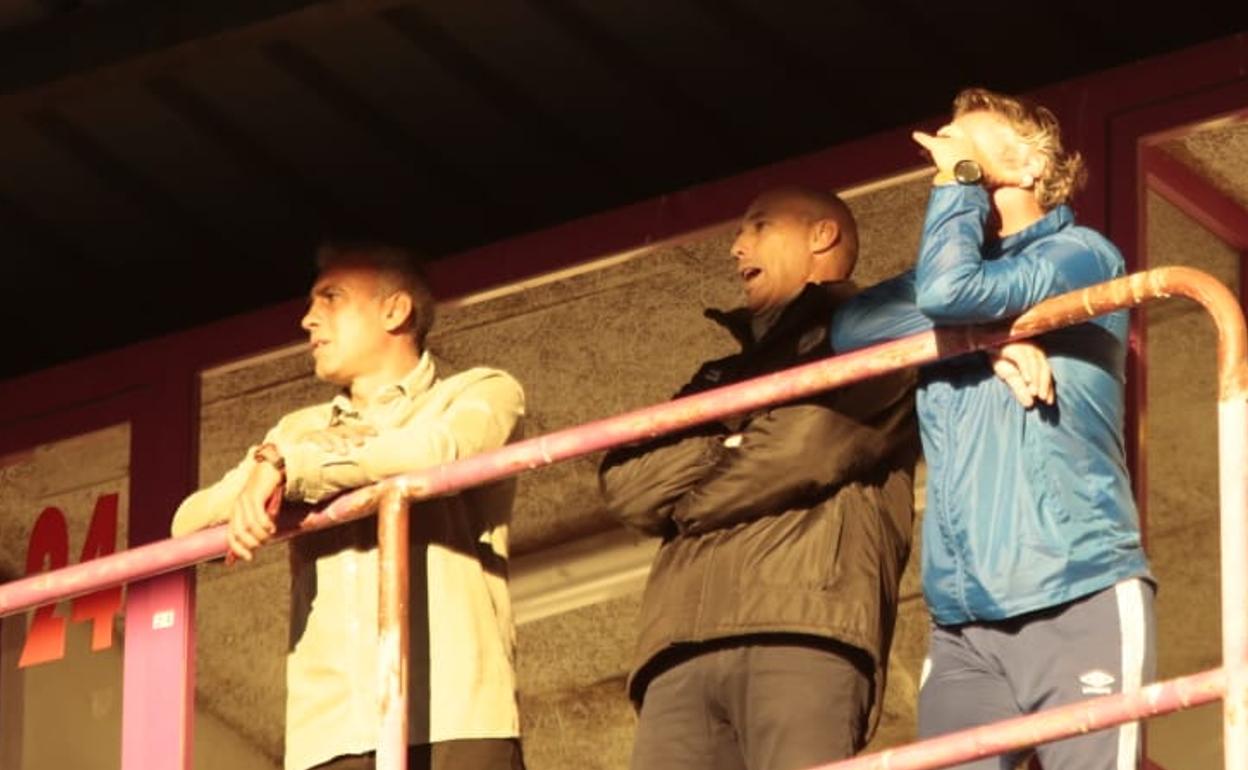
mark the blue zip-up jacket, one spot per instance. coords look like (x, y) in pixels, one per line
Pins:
(1026, 508)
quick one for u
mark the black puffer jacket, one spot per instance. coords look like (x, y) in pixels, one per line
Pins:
(804, 528)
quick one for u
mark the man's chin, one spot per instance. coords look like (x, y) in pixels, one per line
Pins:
(755, 305)
(327, 373)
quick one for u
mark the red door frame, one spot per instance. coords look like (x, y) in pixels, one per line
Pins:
(1136, 166)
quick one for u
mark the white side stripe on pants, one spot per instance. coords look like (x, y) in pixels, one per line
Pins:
(1130, 595)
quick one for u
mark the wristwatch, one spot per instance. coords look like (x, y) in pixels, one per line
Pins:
(968, 171)
(269, 453)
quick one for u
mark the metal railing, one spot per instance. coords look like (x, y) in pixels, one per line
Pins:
(391, 499)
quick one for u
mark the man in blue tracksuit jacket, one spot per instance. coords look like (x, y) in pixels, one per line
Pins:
(1033, 568)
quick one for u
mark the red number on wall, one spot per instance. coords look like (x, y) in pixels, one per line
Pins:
(102, 606)
(49, 542)
(49, 549)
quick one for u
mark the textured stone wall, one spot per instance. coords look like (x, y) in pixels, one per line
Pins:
(1182, 500)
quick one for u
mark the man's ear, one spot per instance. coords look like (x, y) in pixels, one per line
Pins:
(1031, 163)
(824, 234)
(1035, 164)
(396, 309)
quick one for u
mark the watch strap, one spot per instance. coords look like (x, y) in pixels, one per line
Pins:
(269, 453)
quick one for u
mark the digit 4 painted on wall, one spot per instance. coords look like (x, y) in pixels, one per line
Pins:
(49, 550)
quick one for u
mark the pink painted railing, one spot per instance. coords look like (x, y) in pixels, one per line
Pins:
(394, 495)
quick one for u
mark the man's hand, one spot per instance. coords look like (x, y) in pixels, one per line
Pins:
(251, 518)
(952, 143)
(948, 146)
(1025, 368)
(340, 439)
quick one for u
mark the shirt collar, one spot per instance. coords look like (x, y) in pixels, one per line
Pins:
(414, 383)
(1058, 218)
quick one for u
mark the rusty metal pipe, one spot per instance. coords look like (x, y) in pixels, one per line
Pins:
(163, 556)
(393, 628)
(1049, 725)
(116, 569)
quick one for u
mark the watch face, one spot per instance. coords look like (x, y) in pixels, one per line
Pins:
(968, 172)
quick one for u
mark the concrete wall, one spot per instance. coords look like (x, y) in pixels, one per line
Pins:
(1182, 500)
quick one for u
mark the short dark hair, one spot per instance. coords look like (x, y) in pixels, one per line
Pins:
(399, 270)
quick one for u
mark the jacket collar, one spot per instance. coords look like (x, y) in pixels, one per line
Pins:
(414, 383)
(1057, 219)
(814, 298)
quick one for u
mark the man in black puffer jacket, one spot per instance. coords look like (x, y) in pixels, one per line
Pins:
(769, 611)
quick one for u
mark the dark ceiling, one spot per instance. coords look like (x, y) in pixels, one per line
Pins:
(167, 163)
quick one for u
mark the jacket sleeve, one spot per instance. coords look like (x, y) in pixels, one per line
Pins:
(955, 284)
(884, 312)
(641, 484)
(479, 418)
(211, 505)
(793, 454)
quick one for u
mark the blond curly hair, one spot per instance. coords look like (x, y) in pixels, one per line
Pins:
(1064, 172)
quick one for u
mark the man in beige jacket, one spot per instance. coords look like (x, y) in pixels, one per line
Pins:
(368, 317)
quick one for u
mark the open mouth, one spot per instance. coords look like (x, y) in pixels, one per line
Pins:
(750, 273)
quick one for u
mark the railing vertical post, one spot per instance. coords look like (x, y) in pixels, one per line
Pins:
(158, 677)
(1233, 484)
(393, 628)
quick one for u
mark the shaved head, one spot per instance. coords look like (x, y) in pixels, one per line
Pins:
(789, 237)
(813, 205)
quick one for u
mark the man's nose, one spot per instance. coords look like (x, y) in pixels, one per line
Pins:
(308, 322)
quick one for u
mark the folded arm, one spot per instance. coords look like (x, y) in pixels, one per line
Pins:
(211, 505)
(642, 484)
(794, 454)
(888, 311)
(884, 312)
(480, 417)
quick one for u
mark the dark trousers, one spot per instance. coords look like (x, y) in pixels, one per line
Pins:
(476, 754)
(773, 705)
